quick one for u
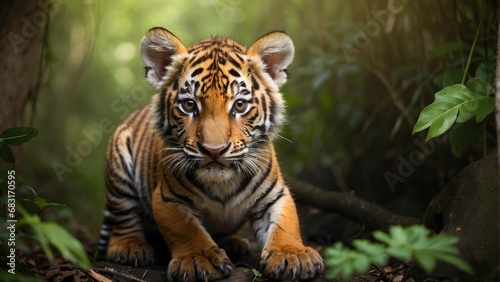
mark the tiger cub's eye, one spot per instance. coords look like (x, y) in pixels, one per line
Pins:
(240, 106)
(188, 105)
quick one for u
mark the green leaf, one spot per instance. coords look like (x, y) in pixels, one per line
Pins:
(341, 261)
(69, 247)
(402, 243)
(41, 203)
(256, 273)
(400, 252)
(361, 263)
(463, 135)
(440, 247)
(426, 261)
(18, 135)
(480, 86)
(453, 103)
(456, 261)
(376, 252)
(51, 233)
(6, 152)
(485, 107)
(486, 70)
(6, 276)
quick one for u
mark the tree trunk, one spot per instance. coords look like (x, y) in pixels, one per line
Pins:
(20, 24)
(497, 96)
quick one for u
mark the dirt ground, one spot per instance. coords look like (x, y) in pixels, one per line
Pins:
(36, 264)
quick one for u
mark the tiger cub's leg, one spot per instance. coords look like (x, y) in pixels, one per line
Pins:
(284, 257)
(127, 243)
(195, 255)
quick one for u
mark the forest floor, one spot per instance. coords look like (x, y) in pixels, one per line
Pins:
(35, 263)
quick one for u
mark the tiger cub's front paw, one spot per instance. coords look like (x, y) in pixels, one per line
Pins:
(291, 262)
(206, 265)
(130, 251)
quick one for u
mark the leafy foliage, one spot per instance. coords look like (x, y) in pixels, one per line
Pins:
(47, 233)
(41, 203)
(13, 137)
(403, 243)
(5, 276)
(51, 233)
(256, 274)
(459, 103)
(456, 104)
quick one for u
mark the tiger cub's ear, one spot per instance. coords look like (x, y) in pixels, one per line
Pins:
(276, 51)
(158, 47)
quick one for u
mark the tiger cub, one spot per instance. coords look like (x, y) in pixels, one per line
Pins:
(199, 160)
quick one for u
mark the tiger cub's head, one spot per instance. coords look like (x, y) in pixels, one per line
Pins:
(218, 105)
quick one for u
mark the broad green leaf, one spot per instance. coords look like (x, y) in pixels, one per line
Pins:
(6, 152)
(18, 135)
(426, 260)
(398, 234)
(486, 106)
(480, 86)
(441, 247)
(347, 270)
(382, 236)
(400, 252)
(374, 250)
(361, 263)
(486, 70)
(456, 261)
(453, 103)
(461, 136)
(345, 262)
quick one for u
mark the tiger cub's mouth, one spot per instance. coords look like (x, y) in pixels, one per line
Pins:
(215, 165)
(216, 171)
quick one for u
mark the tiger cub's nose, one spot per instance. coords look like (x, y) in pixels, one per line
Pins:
(214, 151)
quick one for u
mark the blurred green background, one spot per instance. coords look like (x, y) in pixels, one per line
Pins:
(363, 70)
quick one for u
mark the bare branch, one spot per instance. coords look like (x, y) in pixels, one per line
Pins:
(347, 205)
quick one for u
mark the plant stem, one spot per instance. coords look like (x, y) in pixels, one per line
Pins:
(473, 46)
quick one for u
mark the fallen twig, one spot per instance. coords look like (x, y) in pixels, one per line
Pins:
(112, 271)
(98, 276)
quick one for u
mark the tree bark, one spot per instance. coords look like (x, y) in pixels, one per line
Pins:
(20, 24)
(347, 205)
(497, 96)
